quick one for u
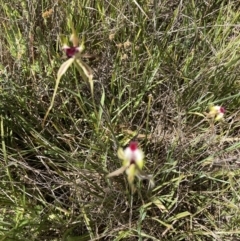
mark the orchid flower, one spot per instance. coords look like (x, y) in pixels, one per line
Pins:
(133, 162)
(73, 54)
(216, 112)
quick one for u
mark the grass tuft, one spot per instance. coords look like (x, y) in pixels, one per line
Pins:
(157, 66)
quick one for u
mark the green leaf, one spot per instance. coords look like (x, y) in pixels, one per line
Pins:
(101, 107)
(159, 204)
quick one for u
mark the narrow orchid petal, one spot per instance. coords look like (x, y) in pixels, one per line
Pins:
(131, 172)
(151, 184)
(149, 177)
(81, 48)
(139, 159)
(74, 39)
(128, 154)
(65, 46)
(120, 154)
(219, 117)
(214, 110)
(85, 71)
(62, 70)
(117, 172)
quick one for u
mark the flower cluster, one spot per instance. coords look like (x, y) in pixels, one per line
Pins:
(133, 162)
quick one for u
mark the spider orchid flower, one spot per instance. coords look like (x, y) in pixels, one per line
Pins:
(74, 57)
(216, 112)
(133, 162)
(75, 50)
